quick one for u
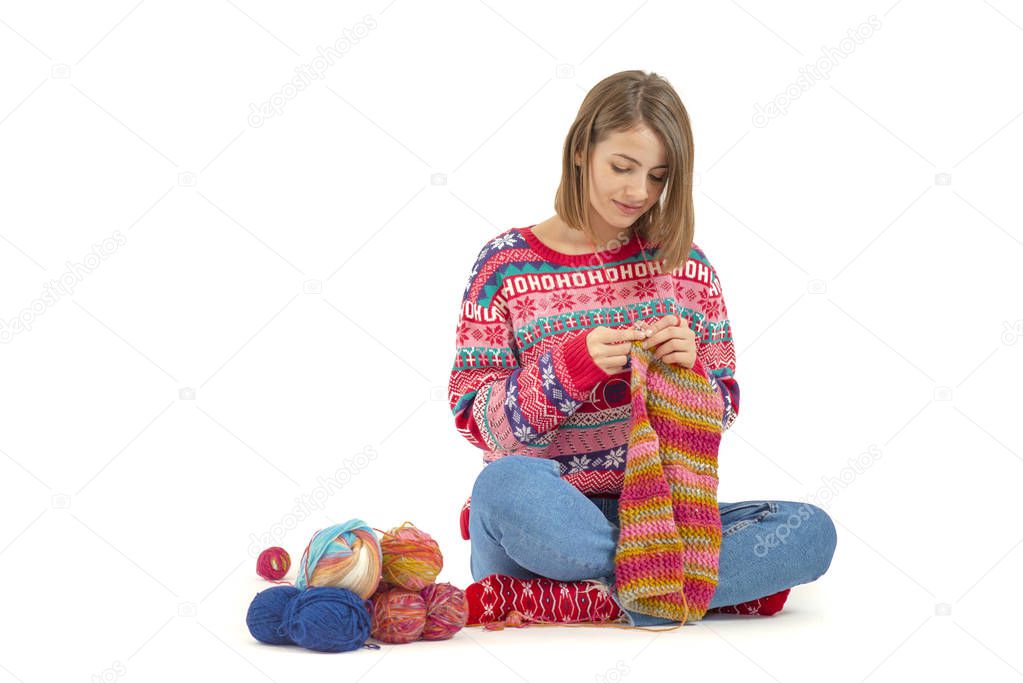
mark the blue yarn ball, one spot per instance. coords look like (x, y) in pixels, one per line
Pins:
(324, 618)
(327, 619)
(266, 614)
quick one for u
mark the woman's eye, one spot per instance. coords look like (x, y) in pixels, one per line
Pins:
(626, 170)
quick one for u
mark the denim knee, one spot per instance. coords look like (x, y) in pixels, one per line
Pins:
(501, 479)
(828, 540)
(824, 539)
(807, 527)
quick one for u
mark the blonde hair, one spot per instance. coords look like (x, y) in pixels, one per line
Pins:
(621, 102)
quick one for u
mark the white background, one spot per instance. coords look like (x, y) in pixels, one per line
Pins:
(867, 241)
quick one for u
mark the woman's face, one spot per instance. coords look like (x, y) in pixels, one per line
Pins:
(627, 175)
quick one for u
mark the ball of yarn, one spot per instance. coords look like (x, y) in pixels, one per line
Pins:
(399, 616)
(411, 558)
(342, 556)
(382, 588)
(273, 563)
(266, 612)
(446, 610)
(327, 619)
(324, 619)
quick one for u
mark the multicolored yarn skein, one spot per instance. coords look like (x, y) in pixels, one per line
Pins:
(447, 610)
(400, 616)
(408, 605)
(344, 555)
(411, 558)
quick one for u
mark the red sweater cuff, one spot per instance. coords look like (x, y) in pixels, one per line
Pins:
(584, 373)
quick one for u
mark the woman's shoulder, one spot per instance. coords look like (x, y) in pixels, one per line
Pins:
(700, 258)
(507, 239)
(697, 254)
(702, 271)
(494, 252)
(499, 248)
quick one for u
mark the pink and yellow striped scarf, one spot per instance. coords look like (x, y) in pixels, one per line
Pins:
(666, 560)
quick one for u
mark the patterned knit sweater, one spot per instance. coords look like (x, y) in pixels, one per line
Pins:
(523, 382)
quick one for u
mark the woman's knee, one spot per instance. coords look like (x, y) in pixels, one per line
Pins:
(815, 531)
(828, 540)
(503, 478)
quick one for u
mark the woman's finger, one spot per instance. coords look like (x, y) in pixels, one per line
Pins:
(664, 349)
(658, 338)
(675, 345)
(624, 335)
(659, 324)
(679, 358)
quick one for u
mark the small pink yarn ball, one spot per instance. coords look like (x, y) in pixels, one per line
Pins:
(273, 563)
(399, 616)
(446, 610)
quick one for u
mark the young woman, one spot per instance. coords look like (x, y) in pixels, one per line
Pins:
(541, 377)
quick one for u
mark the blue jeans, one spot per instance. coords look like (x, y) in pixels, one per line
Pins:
(526, 521)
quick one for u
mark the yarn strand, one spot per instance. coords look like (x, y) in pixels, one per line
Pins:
(533, 623)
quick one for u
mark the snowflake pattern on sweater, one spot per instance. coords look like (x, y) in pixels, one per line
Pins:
(523, 382)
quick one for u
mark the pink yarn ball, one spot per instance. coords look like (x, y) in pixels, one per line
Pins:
(273, 563)
(446, 610)
(399, 616)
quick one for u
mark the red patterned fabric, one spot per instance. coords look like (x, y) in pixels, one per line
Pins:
(497, 598)
(765, 606)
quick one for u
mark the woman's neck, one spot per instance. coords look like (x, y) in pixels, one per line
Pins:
(578, 242)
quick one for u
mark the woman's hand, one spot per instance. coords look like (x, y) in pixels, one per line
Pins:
(673, 341)
(609, 348)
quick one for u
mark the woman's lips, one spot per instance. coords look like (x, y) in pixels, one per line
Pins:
(626, 209)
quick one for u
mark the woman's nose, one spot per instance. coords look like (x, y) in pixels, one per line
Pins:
(637, 192)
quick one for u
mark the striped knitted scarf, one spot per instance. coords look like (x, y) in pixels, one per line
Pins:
(666, 560)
